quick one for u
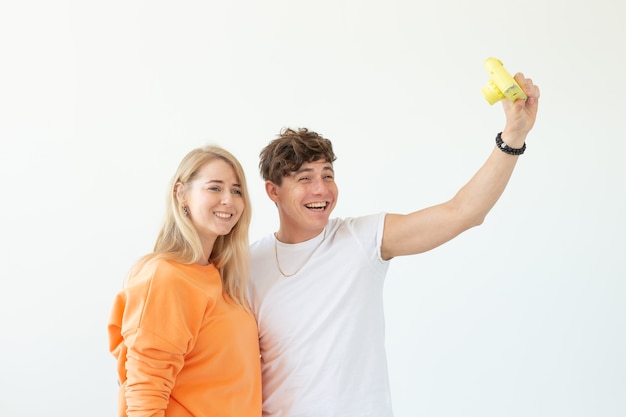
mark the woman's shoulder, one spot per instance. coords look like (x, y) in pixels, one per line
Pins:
(166, 271)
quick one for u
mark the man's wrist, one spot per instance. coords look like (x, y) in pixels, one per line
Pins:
(513, 138)
(506, 148)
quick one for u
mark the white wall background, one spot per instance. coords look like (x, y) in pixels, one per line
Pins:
(523, 316)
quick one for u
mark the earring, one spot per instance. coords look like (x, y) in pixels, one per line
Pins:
(186, 211)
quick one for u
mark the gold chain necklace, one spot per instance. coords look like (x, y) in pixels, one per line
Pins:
(305, 262)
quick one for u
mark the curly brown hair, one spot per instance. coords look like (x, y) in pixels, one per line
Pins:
(290, 150)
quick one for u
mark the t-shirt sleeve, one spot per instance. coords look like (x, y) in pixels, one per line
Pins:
(369, 232)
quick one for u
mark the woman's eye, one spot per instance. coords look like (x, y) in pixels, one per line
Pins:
(236, 191)
(214, 188)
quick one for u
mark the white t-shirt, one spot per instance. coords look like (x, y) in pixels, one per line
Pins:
(322, 330)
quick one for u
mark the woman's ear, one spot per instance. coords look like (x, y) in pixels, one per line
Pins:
(179, 193)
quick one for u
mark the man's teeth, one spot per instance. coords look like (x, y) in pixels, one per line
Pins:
(316, 205)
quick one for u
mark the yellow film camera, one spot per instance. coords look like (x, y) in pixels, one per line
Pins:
(501, 84)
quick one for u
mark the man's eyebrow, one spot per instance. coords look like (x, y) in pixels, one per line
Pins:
(325, 168)
(301, 170)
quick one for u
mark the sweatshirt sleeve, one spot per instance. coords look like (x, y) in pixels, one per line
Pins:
(152, 364)
(160, 321)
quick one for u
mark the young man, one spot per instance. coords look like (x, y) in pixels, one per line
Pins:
(316, 284)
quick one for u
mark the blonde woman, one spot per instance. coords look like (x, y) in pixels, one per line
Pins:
(181, 329)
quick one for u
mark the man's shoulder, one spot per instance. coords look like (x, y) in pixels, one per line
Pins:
(261, 243)
(265, 244)
(366, 221)
(261, 250)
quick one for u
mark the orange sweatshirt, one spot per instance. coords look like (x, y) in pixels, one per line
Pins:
(182, 348)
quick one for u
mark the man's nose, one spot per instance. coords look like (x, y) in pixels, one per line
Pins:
(319, 186)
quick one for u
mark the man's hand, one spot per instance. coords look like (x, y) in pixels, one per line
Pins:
(520, 115)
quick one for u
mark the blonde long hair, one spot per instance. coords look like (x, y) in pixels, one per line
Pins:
(179, 241)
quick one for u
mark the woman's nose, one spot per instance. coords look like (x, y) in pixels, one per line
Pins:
(226, 197)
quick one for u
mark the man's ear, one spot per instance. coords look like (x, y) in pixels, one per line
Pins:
(272, 191)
